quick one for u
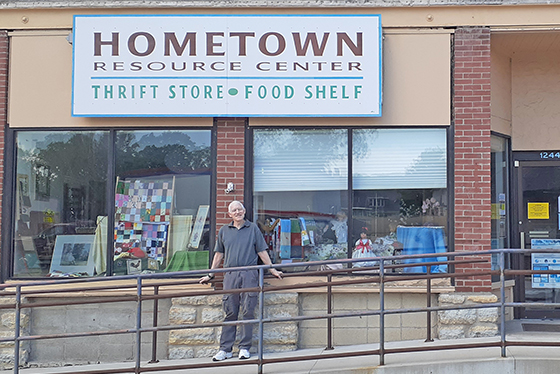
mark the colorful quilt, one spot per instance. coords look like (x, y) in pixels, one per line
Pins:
(143, 202)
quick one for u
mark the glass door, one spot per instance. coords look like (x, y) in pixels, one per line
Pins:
(537, 205)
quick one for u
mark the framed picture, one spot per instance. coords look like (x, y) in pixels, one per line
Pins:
(73, 254)
(198, 228)
(134, 266)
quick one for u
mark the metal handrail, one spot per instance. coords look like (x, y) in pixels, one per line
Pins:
(373, 275)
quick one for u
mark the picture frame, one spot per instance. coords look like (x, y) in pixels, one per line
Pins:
(134, 266)
(73, 254)
(198, 228)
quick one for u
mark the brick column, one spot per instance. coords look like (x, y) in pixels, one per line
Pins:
(230, 165)
(471, 101)
(3, 106)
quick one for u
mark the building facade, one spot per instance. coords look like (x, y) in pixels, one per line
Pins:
(463, 149)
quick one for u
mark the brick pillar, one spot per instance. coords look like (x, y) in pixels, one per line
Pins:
(3, 106)
(230, 165)
(230, 168)
(471, 100)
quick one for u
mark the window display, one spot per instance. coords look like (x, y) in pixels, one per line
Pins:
(399, 178)
(61, 187)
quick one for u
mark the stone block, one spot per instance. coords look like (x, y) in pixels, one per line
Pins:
(281, 311)
(208, 300)
(198, 336)
(8, 300)
(451, 298)
(9, 320)
(482, 330)
(206, 351)
(280, 298)
(279, 348)
(6, 334)
(483, 298)
(489, 315)
(451, 332)
(180, 352)
(457, 317)
(280, 333)
(181, 315)
(116, 352)
(212, 315)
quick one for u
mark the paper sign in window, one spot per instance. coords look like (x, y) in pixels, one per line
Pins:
(537, 211)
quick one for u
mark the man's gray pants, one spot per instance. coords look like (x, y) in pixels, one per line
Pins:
(247, 301)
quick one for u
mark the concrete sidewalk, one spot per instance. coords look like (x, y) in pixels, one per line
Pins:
(518, 360)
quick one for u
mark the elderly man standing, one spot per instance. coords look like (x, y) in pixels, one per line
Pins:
(240, 243)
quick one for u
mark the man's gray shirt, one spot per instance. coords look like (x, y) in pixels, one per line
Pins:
(240, 246)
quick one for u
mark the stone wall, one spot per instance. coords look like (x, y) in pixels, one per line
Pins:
(7, 330)
(467, 323)
(204, 342)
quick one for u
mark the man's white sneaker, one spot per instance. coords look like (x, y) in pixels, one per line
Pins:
(222, 355)
(244, 354)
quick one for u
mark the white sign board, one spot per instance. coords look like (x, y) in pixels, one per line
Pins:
(272, 66)
(545, 261)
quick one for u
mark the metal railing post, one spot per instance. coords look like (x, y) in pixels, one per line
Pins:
(138, 323)
(382, 312)
(502, 304)
(17, 328)
(154, 324)
(329, 312)
(261, 316)
(428, 305)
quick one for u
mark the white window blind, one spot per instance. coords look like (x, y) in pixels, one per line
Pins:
(300, 160)
(399, 159)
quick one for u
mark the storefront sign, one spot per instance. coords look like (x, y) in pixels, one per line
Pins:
(274, 66)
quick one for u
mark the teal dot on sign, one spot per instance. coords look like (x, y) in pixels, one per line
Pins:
(233, 91)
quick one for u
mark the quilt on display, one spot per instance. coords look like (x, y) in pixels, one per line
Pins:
(154, 240)
(142, 216)
(143, 202)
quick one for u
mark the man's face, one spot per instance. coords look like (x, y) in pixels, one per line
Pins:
(237, 213)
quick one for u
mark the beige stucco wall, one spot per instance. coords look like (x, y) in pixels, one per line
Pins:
(416, 83)
(501, 92)
(416, 88)
(40, 86)
(536, 94)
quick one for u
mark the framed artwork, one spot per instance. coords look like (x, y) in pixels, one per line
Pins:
(73, 254)
(199, 226)
(134, 266)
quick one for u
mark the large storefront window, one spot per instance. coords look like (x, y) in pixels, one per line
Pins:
(61, 183)
(398, 189)
(161, 202)
(300, 193)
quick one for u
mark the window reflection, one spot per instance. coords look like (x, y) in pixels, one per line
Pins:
(60, 192)
(162, 201)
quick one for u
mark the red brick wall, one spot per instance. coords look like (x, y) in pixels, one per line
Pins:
(3, 106)
(471, 101)
(230, 165)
